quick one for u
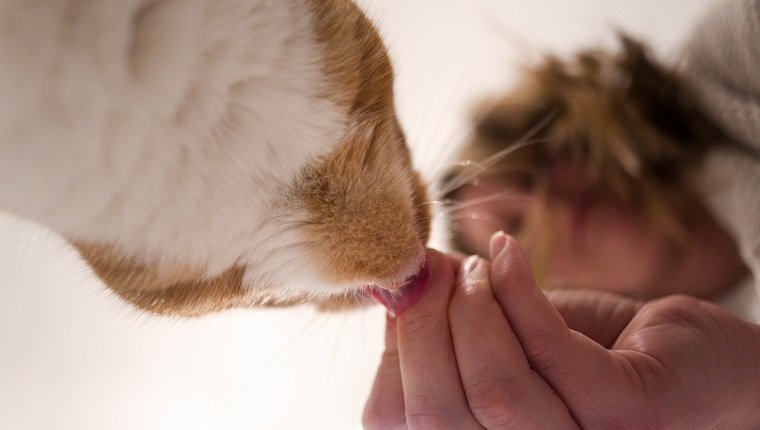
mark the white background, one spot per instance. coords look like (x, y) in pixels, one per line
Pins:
(73, 357)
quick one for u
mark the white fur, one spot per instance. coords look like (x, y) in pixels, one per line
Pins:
(167, 127)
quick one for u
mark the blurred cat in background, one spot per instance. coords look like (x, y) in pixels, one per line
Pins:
(594, 163)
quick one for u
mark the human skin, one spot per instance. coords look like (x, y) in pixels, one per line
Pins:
(484, 348)
(598, 242)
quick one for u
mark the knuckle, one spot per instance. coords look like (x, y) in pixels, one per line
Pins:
(538, 351)
(418, 325)
(427, 411)
(376, 417)
(678, 301)
(680, 309)
(494, 402)
(424, 421)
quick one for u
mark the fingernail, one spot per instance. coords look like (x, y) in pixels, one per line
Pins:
(497, 244)
(396, 301)
(470, 264)
(472, 274)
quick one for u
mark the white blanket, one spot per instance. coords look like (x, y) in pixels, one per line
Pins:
(722, 61)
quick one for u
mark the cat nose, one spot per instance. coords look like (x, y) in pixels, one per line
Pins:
(403, 295)
(408, 274)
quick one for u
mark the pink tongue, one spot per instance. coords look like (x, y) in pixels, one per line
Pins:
(396, 301)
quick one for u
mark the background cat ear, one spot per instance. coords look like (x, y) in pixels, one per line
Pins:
(664, 98)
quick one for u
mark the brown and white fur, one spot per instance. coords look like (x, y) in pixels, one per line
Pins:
(209, 154)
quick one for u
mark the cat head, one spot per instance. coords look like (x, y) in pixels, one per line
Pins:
(629, 122)
(354, 216)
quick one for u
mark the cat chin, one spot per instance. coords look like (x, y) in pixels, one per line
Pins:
(332, 297)
(326, 295)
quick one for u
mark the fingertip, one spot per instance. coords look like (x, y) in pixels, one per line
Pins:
(526, 306)
(568, 360)
(497, 243)
(510, 261)
(472, 276)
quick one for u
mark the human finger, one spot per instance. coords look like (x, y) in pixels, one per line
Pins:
(502, 390)
(385, 407)
(433, 393)
(588, 377)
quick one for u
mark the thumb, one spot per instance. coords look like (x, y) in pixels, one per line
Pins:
(581, 371)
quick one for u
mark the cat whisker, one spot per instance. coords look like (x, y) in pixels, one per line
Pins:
(451, 206)
(448, 151)
(465, 125)
(472, 169)
(450, 145)
(316, 322)
(420, 136)
(468, 175)
(522, 47)
(479, 216)
(426, 143)
(327, 374)
(449, 203)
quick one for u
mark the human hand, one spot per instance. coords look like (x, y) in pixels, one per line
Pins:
(596, 359)
(449, 354)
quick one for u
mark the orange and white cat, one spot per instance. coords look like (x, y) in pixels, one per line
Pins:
(208, 154)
